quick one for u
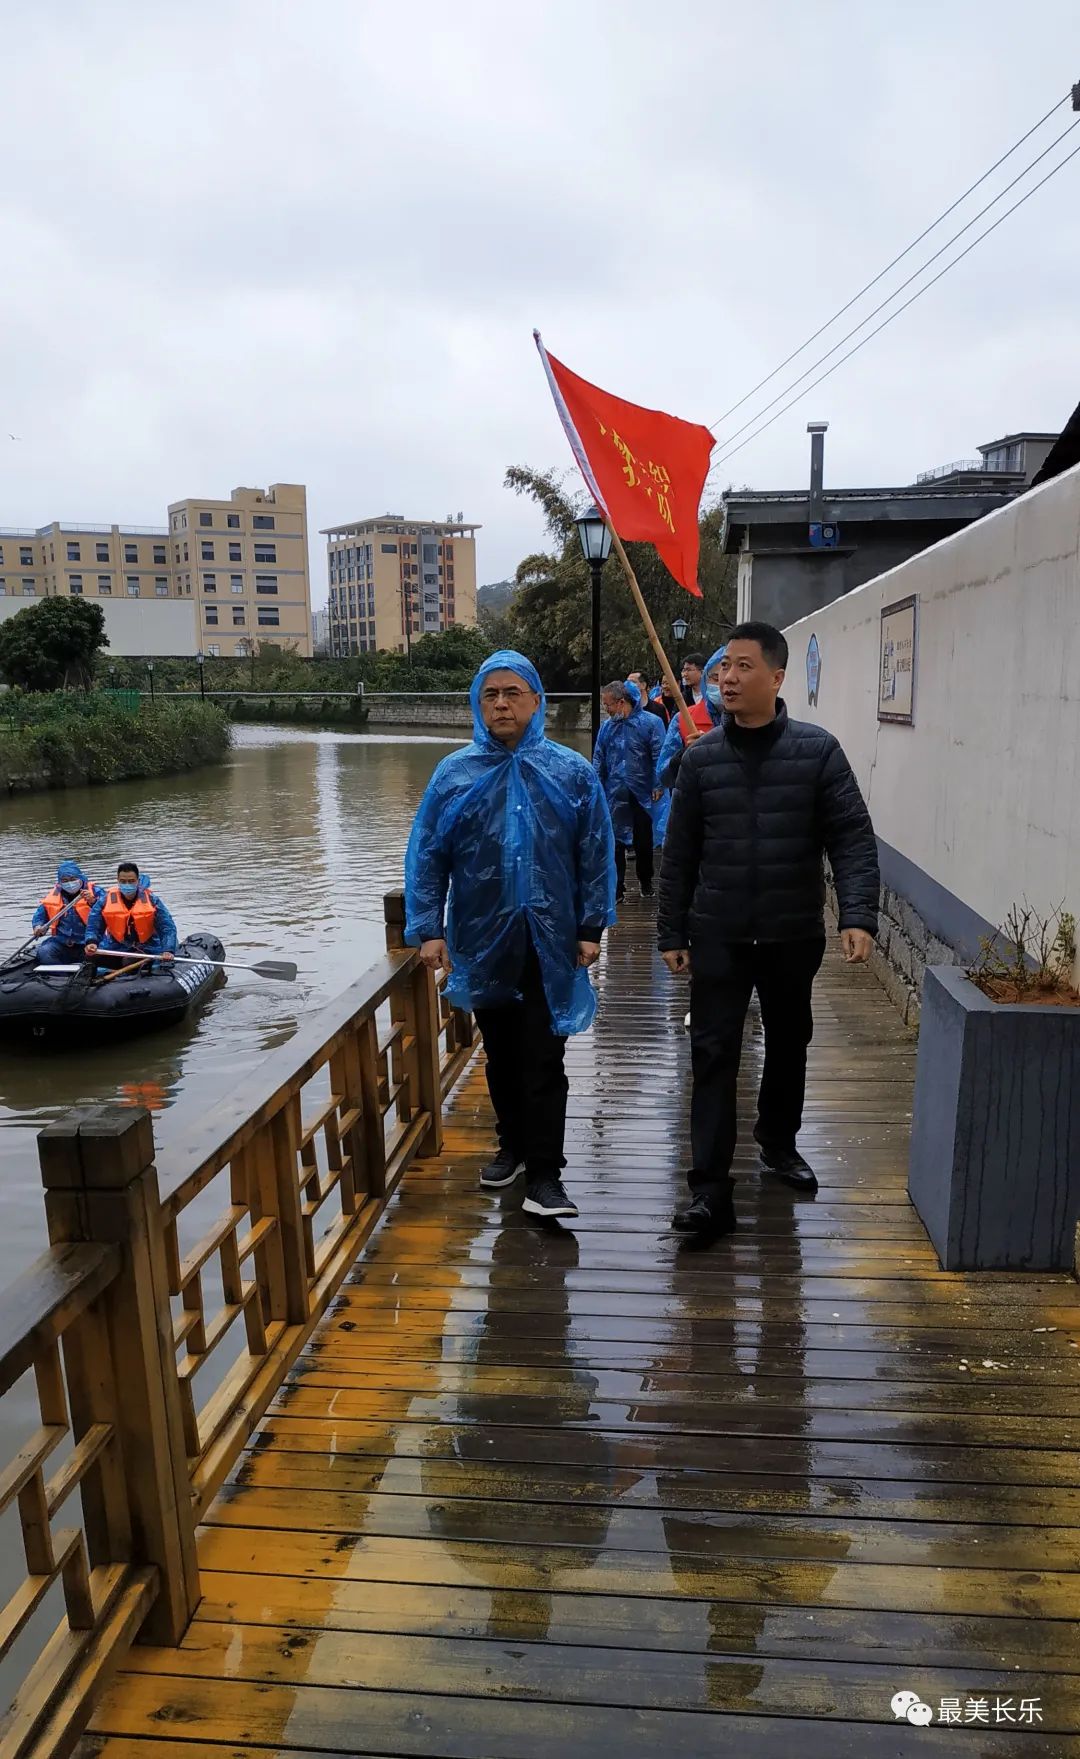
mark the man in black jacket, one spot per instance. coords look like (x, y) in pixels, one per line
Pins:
(758, 802)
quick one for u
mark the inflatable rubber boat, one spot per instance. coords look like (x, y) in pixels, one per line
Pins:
(40, 1004)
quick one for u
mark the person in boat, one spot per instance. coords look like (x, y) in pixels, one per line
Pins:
(130, 918)
(516, 830)
(59, 922)
(627, 750)
(705, 714)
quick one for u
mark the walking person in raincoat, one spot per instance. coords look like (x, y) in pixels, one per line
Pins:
(627, 751)
(516, 830)
(706, 714)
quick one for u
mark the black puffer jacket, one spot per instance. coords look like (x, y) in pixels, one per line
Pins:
(750, 820)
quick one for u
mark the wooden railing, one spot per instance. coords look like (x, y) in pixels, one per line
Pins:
(181, 1284)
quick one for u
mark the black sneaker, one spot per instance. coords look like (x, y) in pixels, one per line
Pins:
(503, 1170)
(547, 1197)
(711, 1216)
(646, 891)
(620, 895)
(788, 1164)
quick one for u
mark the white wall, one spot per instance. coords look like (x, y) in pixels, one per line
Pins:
(983, 791)
(136, 626)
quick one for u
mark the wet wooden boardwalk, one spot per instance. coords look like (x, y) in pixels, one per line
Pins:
(535, 1494)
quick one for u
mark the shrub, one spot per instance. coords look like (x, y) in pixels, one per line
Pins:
(74, 741)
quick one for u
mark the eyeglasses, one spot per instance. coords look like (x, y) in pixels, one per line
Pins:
(512, 694)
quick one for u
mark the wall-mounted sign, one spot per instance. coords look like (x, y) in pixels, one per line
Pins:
(813, 671)
(896, 665)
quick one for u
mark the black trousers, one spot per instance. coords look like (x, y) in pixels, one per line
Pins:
(722, 982)
(643, 849)
(525, 1075)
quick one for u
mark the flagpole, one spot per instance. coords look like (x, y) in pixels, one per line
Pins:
(690, 730)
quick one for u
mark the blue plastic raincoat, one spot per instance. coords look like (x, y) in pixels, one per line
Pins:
(67, 928)
(521, 839)
(163, 939)
(667, 769)
(627, 751)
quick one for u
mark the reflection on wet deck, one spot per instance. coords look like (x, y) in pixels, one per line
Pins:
(576, 1493)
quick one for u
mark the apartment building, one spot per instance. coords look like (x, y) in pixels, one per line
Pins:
(240, 567)
(245, 563)
(393, 579)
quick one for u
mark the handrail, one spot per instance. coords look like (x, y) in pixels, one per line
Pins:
(269, 1197)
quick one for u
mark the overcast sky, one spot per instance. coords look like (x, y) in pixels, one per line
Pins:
(248, 241)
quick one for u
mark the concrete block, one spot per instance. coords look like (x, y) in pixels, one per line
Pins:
(995, 1144)
(913, 925)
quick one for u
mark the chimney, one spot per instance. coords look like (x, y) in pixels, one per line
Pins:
(817, 431)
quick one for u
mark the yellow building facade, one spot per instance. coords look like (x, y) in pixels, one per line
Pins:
(391, 580)
(242, 565)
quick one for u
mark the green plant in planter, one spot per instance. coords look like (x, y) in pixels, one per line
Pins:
(1031, 958)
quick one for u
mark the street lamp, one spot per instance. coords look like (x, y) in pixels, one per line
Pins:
(200, 656)
(678, 630)
(150, 669)
(594, 537)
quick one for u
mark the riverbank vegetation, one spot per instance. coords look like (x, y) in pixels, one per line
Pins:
(297, 711)
(68, 740)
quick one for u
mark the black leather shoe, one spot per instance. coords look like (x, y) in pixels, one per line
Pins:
(790, 1166)
(708, 1216)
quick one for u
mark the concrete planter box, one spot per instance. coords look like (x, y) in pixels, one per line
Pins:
(995, 1141)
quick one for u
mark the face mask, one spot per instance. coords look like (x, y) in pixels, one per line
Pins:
(714, 695)
(129, 888)
(71, 888)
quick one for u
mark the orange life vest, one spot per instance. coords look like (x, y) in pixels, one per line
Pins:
(55, 901)
(700, 716)
(118, 913)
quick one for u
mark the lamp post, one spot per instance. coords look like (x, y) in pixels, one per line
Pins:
(200, 656)
(150, 670)
(595, 540)
(678, 630)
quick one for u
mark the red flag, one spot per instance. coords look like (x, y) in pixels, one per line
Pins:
(645, 469)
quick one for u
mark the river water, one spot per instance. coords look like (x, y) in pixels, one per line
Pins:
(284, 850)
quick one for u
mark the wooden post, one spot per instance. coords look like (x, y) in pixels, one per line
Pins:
(429, 1076)
(101, 1185)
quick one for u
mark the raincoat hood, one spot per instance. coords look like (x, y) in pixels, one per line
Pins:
(634, 693)
(70, 871)
(714, 660)
(506, 660)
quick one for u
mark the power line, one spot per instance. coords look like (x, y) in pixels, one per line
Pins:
(968, 224)
(897, 259)
(901, 308)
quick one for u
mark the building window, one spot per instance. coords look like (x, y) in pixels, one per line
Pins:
(3, 589)
(236, 581)
(234, 553)
(209, 583)
(431, 553)
(1, 555)
(183, 520)
(262, 522)
(206, 519)
(266, 552)
(213, 648)
(29, 589)
(161, 586)
(73, 553)
(266, 583)
(75, 585)
(104, 586)
(131, 552)
(185, 553)
(176, 553)
(102, 553)
(210, 615)
(388, 549)
(132, 587)
(239, 616)
(26, 558)
(208, 551)
(160, 556)
(269, 616)
(232, 520)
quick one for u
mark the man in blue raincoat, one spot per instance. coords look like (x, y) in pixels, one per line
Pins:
(59, 922)
(516, 830)
(706, 714)
(627, 751)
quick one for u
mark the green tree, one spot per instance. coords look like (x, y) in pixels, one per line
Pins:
(52, 644)
(550, 618)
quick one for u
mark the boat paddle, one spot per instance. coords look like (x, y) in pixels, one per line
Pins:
(282, 969)
(34, 938)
